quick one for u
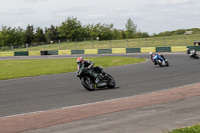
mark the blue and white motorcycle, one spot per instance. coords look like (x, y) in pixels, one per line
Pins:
(157, 59)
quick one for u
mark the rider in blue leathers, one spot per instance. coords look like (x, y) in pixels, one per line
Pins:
(155, 56)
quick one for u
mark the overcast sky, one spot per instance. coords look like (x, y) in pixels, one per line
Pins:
(152, 16)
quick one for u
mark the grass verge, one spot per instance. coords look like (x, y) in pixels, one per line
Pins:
(11, 69)
(164, 41)
(191, 129)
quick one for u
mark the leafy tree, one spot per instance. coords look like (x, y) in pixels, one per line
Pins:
(86, 30)
(51, 33)
(194, 30)
(94, 30)
(20, 36)
(178, 32)
(29, 34)
(117, 34)
(6, 36)
(71, 29)
(130, 29)
(39, 35)
(166, 33)
(105, 31)
(142, 35)
(11, 36)
(123, 33)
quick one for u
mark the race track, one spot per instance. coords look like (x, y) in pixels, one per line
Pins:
(40, 93)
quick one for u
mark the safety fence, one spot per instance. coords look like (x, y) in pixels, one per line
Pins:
(101, 51)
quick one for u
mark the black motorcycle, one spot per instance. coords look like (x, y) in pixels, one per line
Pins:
(89, 83)
(192, 54)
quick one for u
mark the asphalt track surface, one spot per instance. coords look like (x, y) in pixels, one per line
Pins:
(24, 95)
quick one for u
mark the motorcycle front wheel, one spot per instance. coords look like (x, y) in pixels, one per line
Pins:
(160, 64)
(111, 81)
(88, 83)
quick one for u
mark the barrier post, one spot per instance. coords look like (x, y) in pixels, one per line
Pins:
(185, 40)
(59, 44)
(92, 43)
(146, 42)
(27, 46)
(43, 46)
(75, 44)
(164, 42)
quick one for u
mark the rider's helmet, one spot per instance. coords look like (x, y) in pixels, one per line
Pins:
(80, 60)
(150, 54)
(187, 49)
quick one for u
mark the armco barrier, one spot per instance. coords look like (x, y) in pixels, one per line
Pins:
(197, 48)
(77, 51)
(52, 52)
(147, 49)
(21, 53)
(178, 48)
(7, 54)
(91, 51)
(34, 53)
(64, 52)
(118, 50)
(132, 50)
(104, 51)
(163, 49)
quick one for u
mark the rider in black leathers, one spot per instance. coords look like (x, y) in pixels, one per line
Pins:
(86, 66)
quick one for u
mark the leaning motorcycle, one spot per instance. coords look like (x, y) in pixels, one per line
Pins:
(89, 82)
(192, 54)
(160, 61)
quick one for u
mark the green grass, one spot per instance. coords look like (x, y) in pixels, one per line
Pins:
(177, 40)
(191, 129)
(26, 68)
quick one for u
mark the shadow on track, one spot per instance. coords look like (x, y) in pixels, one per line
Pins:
(99, 89)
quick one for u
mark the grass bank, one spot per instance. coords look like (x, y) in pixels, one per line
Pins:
(11, 69)
(165, 41)
(191, 129)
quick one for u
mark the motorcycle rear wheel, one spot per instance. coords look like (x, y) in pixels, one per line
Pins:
(88, 83)
(167, 63)
(196, 57)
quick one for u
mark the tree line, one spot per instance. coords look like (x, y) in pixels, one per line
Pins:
(71, 29)
(177, 32)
